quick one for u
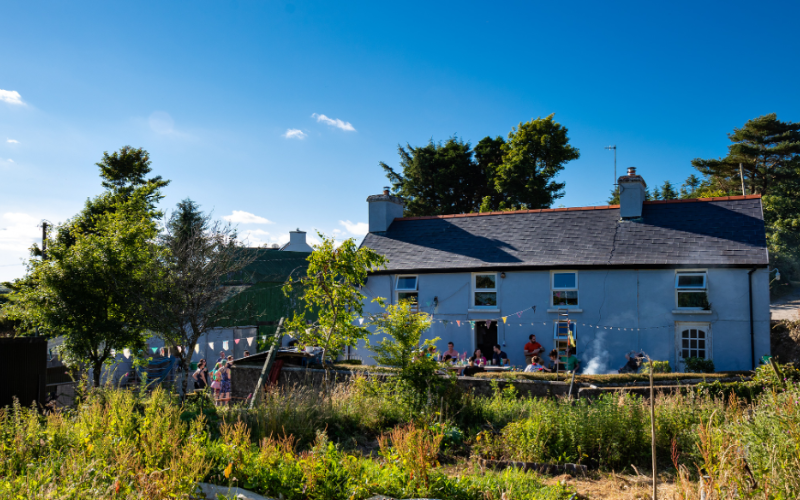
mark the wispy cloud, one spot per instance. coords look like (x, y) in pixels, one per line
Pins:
(334, 122)
(12, 141)
(294, 133)
(11, 97)
(255, 237)
(241, 217)
(357, 228)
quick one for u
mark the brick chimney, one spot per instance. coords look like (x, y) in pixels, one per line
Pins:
(631, 194)
(383, 209)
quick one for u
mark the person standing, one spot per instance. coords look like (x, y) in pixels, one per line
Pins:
(200, 375)
(532, 348)
(225, 384)
(573, 365)
(216, 381)
(221, 358)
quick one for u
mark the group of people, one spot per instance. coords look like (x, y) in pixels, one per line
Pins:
(533, 361)
(218, 379)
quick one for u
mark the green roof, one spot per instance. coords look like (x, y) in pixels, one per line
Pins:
(263, 303)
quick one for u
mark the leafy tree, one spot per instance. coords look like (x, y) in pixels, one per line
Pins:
(331, 290)
(403, 329)
(438, 178)
(84, 290)
(488, 158)
(535, 153)
(202, 257)
(403, 348)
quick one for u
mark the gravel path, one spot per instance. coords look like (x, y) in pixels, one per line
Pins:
(786, 307)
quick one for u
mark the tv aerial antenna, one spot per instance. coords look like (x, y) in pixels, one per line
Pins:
(614, 147)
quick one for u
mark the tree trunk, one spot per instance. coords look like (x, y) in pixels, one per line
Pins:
(97, 370)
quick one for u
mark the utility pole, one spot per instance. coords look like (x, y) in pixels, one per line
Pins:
(44, 240)
(614, 147)
(741, 175)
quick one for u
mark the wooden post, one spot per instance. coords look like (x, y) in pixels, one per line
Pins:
(777, 373)
(271, 355)
(572, 382)
(653, 430)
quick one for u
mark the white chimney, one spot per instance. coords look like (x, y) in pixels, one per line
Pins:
(383, 209)
(297, 242)
(631, 194)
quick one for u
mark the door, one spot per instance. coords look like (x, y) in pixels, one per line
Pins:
(693, 340)
(485, 338)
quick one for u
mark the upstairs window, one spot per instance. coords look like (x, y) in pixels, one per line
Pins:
(564, 288)
(691, 289)
(484, 290)
(407, 289)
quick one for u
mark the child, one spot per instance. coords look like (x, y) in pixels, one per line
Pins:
(216, 385)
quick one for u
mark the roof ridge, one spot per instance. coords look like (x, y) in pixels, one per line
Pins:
(571, 209)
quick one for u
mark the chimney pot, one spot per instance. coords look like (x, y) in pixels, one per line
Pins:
(386, 190)
(631, 170)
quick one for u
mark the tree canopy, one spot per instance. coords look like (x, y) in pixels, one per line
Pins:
(451, 177)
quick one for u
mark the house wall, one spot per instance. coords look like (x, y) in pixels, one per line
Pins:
(634, 309)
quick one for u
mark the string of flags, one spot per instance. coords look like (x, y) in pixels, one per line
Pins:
(164, 351)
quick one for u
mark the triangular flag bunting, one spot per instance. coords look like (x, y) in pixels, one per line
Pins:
(504, 319)
(263, 337)
(236, 341)
(458, 322)
(126, 353)
(488, 323)
(154, 349)
(249, 340)
(211, 345)
(225, 345)
(197, 348)
(519, 314)
(360, 321)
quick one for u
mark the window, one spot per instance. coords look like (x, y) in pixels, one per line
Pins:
(484, 290)
(694, 343)
(691, 290)
(406, 289)
(564, 286)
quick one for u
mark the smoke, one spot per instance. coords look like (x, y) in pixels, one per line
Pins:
(598, 364)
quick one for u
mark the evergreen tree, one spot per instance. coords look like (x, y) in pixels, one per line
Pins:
(668, 191)
(690, 187)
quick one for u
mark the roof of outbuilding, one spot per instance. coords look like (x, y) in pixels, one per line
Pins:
(727, 231)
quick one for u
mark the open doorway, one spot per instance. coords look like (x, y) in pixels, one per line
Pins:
(485, 338)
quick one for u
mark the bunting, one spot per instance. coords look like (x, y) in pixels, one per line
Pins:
(211, 345)
(236, 341)
(154, 349)
(197, 348)
(504, 319)
(225, 345)
(249, 340)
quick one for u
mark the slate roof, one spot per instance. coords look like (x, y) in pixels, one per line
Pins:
(727, 232)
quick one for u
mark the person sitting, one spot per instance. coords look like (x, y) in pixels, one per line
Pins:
(478, 358)
(472, 367)
(537, 365)
(448, 358)
(553, 360)
(451, 351)
(499, 358)
(532, 348)
(634, 361)
(573, 365)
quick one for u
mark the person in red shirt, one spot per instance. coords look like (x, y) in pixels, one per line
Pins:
(532, 348)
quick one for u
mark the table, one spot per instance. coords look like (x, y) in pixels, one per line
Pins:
(490, 368)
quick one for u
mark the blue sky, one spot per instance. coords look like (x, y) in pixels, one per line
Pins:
(211, 89)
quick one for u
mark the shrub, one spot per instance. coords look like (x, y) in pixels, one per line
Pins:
(658, 367)
(699, 365)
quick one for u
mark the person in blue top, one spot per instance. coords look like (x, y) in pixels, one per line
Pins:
(499, 357)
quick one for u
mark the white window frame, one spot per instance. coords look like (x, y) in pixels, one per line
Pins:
(475, 290)
(680, 326)
(678, 289)
(398, 290)
(554, 289)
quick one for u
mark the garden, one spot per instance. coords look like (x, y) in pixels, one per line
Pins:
(369, 437)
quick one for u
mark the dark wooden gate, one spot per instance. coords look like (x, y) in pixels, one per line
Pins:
(23, 370)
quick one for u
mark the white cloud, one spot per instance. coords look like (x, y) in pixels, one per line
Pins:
(241, 217)
(255, 237)
(334, 122)
(294, 133)
(11, 97)
(358, 228)
(12, 141)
